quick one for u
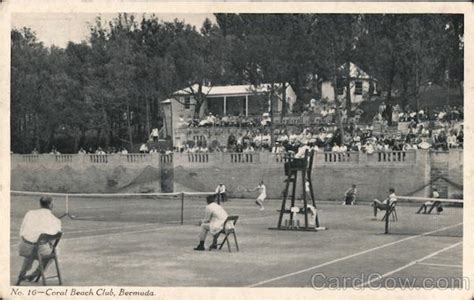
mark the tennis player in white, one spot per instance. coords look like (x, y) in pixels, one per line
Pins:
(262, 189)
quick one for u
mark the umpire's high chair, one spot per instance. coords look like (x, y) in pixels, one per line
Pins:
(292, 167)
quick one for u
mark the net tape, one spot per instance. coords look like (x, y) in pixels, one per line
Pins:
(109, 194)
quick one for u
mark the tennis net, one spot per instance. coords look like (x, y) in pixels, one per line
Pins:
(167, 208)
(425, 216)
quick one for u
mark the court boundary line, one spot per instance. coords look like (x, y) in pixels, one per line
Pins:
(412, 263)
(348, 257)
(136, 231)
(130, 232)
(440, 265)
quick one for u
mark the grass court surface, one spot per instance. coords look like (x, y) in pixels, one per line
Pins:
(142, 243)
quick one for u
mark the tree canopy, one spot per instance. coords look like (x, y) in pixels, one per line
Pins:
(106, 91)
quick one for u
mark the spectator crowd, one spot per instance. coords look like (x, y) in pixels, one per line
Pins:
(392, 129)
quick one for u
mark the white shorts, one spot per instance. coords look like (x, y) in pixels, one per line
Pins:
(261, 197)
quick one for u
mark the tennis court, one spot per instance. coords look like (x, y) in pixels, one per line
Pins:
(141, 242)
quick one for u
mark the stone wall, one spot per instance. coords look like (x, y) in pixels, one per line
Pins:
(90, 173)
(410, 173)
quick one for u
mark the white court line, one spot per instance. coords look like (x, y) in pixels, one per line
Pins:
(101, 229)
(408, 265)
(440, 265)
(349, 256)
(129, 232)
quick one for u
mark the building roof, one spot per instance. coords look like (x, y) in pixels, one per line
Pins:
(355, 72)
(228, 90)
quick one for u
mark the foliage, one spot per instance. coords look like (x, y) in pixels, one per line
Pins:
(107, 91)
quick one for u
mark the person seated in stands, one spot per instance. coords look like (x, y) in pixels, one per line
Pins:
(203, 148)
(369, 147)
(100, 151)
(279, 151)
(212, 119)
(231, 141)
(54, 151)
(124, 151)
(452, 140)
(213, 222)
(144, 148)
(233, 120)
(248, 148)
(225, 121)
(266, 139)
(385, 204)
(81, 151)
(431, 204)
(423, 144)
(239, 148)
(355, 146)
(245, 122)
(293, 137)
(441, 141)
(282, 136)
(336, 148)
(154, 150)
(441, 115)
(36, 151)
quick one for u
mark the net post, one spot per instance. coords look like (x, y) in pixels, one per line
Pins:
(387, 217)
(66, 211)
(182, 208)
(67, 205)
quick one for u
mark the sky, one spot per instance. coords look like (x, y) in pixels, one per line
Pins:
(60, 28)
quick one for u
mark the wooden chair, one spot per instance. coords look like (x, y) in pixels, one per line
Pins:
(227, 231)
(392, 211)
(53, 241)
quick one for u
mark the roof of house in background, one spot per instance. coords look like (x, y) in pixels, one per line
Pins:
(355, 72)
(227, 90)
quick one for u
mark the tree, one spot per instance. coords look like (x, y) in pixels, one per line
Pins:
(198, 61)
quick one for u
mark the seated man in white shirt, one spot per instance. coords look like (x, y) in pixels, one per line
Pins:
(431, 204)
(213, 222)
(385, 204)
(35, 223)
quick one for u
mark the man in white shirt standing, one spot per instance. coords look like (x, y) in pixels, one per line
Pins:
(220, 192)
(385, 204)
(35, 223)
(213, 222)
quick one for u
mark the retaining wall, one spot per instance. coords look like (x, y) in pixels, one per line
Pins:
(408, 172)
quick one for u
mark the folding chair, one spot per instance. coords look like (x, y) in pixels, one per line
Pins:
(227, 231)
(392, 212)
(53, 241)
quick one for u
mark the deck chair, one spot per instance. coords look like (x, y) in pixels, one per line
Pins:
(392, 211)
(53, 241)
(227, 230)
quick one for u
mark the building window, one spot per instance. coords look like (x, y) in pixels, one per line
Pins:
(187, 102)
(358, 87)
(340, 87)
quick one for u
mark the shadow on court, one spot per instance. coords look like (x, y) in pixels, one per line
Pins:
(153, 253)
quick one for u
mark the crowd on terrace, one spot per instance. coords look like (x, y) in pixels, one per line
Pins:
(391, 129)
